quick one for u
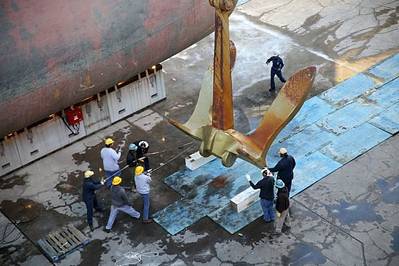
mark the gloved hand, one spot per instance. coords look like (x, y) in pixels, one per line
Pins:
(102, 181)
(248, 177)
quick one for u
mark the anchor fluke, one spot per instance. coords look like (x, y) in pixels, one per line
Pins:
(212, 119)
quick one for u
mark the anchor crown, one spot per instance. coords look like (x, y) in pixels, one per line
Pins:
(212, 121)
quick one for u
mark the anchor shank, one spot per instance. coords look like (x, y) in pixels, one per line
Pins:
(222, 106)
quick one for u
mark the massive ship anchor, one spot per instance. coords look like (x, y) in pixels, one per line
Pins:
(212, 121)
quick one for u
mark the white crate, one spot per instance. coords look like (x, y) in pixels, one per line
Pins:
(244, 199)
(195, 160)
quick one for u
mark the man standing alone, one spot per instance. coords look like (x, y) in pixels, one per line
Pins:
(276, 70)
(266, 195)
(285, 168)
(110, 161)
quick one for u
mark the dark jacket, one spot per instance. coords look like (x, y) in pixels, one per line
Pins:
(285, 168)
(283, 201)
(140, 152)
(266, 186)
(119, 197)
(89, 188)
(131, 159)
(277, 62)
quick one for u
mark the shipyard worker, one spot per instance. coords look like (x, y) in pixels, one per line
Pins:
(119, 203)
(276, 70)
(266, 186)
(131, 155)
(89, 196)
(282, 205)
(110, 161)
(142, 149)
(131, 160)
(143, 188)
(285, 168)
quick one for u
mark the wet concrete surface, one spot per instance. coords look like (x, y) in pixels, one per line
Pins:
(348, 218)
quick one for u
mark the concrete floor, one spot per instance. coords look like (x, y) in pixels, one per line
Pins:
(348, 218)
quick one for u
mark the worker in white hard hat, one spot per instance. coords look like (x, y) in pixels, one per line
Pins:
(266, 195)
(89, 196)
(142, 149)
(110, 161)
(285, 168)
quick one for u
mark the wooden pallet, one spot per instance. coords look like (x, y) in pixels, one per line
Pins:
(56, 245)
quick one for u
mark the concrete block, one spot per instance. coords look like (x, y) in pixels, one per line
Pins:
(245, 199)
(119, 103)
(96, 115)
(195, 160)
(9, 156)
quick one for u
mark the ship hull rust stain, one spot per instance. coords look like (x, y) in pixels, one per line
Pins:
(76, 49)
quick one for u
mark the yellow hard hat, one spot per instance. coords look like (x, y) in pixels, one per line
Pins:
(139, 170)
(88, 173)
(116, 181)
(108, 141)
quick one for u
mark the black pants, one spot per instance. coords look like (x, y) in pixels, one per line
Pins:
(274, 72)
(287, 183)
(146, 164)
(90, 204)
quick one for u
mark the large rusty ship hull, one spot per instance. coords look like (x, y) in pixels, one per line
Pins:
(55, 53)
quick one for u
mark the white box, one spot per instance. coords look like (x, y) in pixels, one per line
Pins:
(195, 160)
(244, 199)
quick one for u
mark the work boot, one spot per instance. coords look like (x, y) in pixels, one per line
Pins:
(148, 221)
(107, 230)
(91, 227)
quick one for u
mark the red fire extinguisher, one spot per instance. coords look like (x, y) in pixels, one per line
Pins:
(73, 115)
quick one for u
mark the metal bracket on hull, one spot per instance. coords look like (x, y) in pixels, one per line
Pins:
(212, 121)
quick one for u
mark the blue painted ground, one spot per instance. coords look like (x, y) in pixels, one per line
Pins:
(330, 130)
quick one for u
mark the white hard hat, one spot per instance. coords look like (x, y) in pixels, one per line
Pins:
(143, 143)
(88, 173)
(266, 171)
(282, 151)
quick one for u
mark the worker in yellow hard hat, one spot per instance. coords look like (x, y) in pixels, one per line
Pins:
(89, 196)
(142, 182)
(119, 203)
(110, 159)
